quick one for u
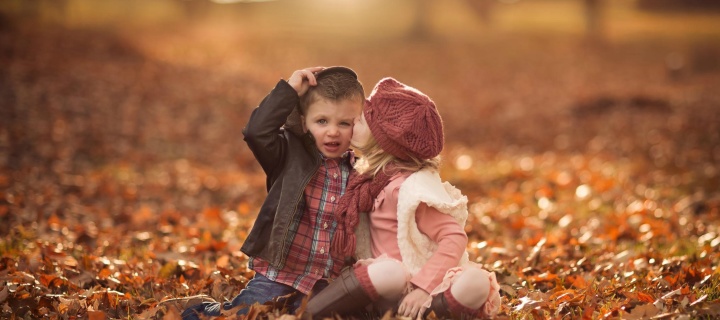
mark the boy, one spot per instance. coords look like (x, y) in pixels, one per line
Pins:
(307, 163)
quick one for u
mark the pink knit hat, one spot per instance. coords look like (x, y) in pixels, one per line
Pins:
(404, 121)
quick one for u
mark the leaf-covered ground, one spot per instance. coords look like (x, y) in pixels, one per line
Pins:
(593, 171)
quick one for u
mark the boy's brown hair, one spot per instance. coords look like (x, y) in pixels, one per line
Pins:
(333, 84)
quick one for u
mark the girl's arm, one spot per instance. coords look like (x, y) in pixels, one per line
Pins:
(452, 242)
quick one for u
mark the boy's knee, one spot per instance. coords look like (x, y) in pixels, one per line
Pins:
(388, 277)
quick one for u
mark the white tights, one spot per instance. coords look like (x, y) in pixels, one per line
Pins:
(470, 288)
(388, 277)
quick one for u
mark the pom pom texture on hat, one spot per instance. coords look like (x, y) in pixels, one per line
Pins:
(404, 121)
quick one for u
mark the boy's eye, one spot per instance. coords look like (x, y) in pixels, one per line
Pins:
(346, 124)
(322, 121)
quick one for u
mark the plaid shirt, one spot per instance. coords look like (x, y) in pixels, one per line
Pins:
(309, 258)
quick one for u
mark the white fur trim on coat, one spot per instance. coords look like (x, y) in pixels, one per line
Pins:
(425, 186)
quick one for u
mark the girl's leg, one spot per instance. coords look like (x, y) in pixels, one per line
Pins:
(388, 278)
(358, 287)
(473, 292)
(471, 289)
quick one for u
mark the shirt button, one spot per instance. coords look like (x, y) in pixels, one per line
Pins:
(335, 175)
(325, 225)
(332, 198)
(322, 250)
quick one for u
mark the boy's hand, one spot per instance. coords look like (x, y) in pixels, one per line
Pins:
(301, 80)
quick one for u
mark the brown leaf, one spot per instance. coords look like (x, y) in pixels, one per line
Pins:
(96, 315)
(643, 312)
(576, 281)
(3, 294)
(172, 314)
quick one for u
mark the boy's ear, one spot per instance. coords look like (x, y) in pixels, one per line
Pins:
(302, 121)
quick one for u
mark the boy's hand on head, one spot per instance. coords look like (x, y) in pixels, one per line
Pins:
(301, 80)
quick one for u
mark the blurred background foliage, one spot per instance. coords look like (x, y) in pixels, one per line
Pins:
(176, 79)
(494, 67)
(91, 85)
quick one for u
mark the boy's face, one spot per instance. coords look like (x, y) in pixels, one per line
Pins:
(361, 132)
(331, 124)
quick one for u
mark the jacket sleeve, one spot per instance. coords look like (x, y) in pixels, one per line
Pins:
(263, 133)
(451, 239)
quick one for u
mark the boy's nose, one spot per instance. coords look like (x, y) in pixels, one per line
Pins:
(333, 131)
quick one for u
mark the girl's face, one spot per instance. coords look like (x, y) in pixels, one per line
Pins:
(361, 133)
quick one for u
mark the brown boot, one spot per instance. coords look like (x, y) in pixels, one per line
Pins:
(445, 306)
(440, 307)
(344, 295)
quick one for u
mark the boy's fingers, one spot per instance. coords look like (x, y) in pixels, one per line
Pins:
(310, 76)
(315, 69)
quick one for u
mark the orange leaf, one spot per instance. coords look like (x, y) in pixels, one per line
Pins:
(212, 214)
(563, 296)
(96, 315)
(243, 208)
(54, 222)
(671, 280)
(644, 297)
(685, 290)
(544, 277)
(588, 313)
(577, 281)
(104, 274)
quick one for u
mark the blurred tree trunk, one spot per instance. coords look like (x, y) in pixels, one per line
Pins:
(44, 9)
(593, 19)
(482, 9)
(195, 9)
(420, 28)
(675, 5)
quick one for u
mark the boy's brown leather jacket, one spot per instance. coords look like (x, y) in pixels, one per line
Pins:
(289, 161)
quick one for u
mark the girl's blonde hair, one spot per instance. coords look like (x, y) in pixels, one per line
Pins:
(374, 159)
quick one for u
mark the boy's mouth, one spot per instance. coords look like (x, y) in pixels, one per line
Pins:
(332, 144)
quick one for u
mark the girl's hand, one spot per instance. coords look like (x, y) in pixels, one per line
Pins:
(301, 80)
(412, 304)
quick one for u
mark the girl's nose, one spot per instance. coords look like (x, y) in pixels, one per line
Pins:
(333, 131)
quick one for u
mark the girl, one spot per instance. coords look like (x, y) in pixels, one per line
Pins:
(416, 222)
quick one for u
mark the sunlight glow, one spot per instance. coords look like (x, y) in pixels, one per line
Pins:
(463, 162)
(565, 221)
(582, 192)
(527, 164)
(544, 203)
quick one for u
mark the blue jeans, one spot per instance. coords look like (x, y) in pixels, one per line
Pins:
(260, 289)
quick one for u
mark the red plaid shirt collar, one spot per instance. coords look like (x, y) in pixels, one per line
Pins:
(309, 258)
